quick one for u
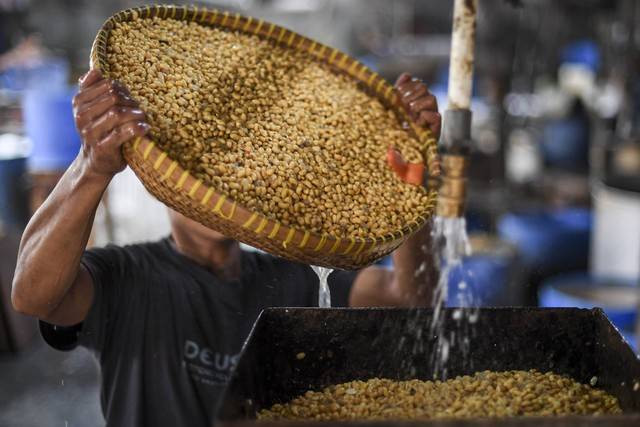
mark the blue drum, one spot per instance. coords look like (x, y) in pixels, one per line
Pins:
(619, 299)
(49, 123)
(550, 240)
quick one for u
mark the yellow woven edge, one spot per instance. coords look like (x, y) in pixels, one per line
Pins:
(181, 180)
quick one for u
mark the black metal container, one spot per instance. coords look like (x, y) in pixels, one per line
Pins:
(292, 350)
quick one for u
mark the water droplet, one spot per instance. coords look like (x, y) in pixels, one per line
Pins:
(473, 316)
(444, 353)
(420, 269)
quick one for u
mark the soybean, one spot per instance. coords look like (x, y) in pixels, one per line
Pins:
(268, 126)
(483, 395)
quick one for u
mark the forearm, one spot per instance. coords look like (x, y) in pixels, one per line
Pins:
(54, 240)
(410, 284)
(415, 273)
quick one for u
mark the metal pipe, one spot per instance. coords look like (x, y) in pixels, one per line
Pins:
(456, 131)
(462, 47)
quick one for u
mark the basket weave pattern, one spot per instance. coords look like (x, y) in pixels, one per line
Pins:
(177, 188)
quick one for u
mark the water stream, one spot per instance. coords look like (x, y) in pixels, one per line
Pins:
(324, 294)
(451, 245)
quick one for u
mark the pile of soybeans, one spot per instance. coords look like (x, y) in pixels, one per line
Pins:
(268, 126)
(483, 395)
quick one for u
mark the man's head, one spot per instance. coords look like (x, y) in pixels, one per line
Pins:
(189, 230)
(207, 247)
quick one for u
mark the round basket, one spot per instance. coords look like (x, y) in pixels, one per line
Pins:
(177, 188)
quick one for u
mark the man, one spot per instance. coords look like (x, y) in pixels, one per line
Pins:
(167, 319)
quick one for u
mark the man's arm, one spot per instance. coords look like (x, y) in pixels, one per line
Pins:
(49, 281)
(414, 277)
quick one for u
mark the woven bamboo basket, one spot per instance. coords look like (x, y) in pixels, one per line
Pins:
(177, 188)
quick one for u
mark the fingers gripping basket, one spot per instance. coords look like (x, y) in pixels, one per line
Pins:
(180, 190)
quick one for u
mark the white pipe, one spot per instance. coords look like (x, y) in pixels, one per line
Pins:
(462, 46)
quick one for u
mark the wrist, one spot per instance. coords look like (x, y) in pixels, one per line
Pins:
(87, 172)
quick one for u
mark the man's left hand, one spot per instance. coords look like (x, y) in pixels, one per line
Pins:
(419, 103)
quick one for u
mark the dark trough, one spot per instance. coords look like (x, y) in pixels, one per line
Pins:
(346, 344)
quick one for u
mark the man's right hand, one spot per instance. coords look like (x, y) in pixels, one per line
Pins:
(106, 117)
(49, 281)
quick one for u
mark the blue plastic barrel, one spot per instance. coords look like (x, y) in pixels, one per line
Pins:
(491, 276)
(486, 275)
(49, 74)
(13, 193)
(617, 298)
(565, 143)
(551, 240)
(48, 120)
(584, 52)
(481, 280)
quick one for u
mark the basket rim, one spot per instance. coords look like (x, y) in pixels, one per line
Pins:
(146, 150)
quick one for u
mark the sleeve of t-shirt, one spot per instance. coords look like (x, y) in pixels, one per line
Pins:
(111, 269)
(108, 268)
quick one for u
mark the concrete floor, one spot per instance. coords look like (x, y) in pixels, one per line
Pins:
(44, 387)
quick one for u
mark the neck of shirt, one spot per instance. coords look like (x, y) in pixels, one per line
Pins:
(223, 261)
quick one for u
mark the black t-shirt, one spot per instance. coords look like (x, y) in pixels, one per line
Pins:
(167, 332)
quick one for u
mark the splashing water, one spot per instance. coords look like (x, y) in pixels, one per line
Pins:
(324, 294)
(451, 245)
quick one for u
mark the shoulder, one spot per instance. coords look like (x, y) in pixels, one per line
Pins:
(132, 250)
(122, 258)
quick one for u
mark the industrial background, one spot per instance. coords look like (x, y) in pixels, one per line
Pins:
(553, 207)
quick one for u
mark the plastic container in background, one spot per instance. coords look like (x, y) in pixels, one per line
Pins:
(491, 276)
(47, 74)
(615, 246)
(584, 52)
(618, 298)
(13, 193)
(550, 241)
(49, 124)
(565, 143)
(480, 281)
(14, 211)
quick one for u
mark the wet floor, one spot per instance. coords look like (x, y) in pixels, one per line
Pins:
(45, 387)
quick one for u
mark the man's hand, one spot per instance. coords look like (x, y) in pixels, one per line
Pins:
(422, 108)
(419, 103)
(106, 117)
